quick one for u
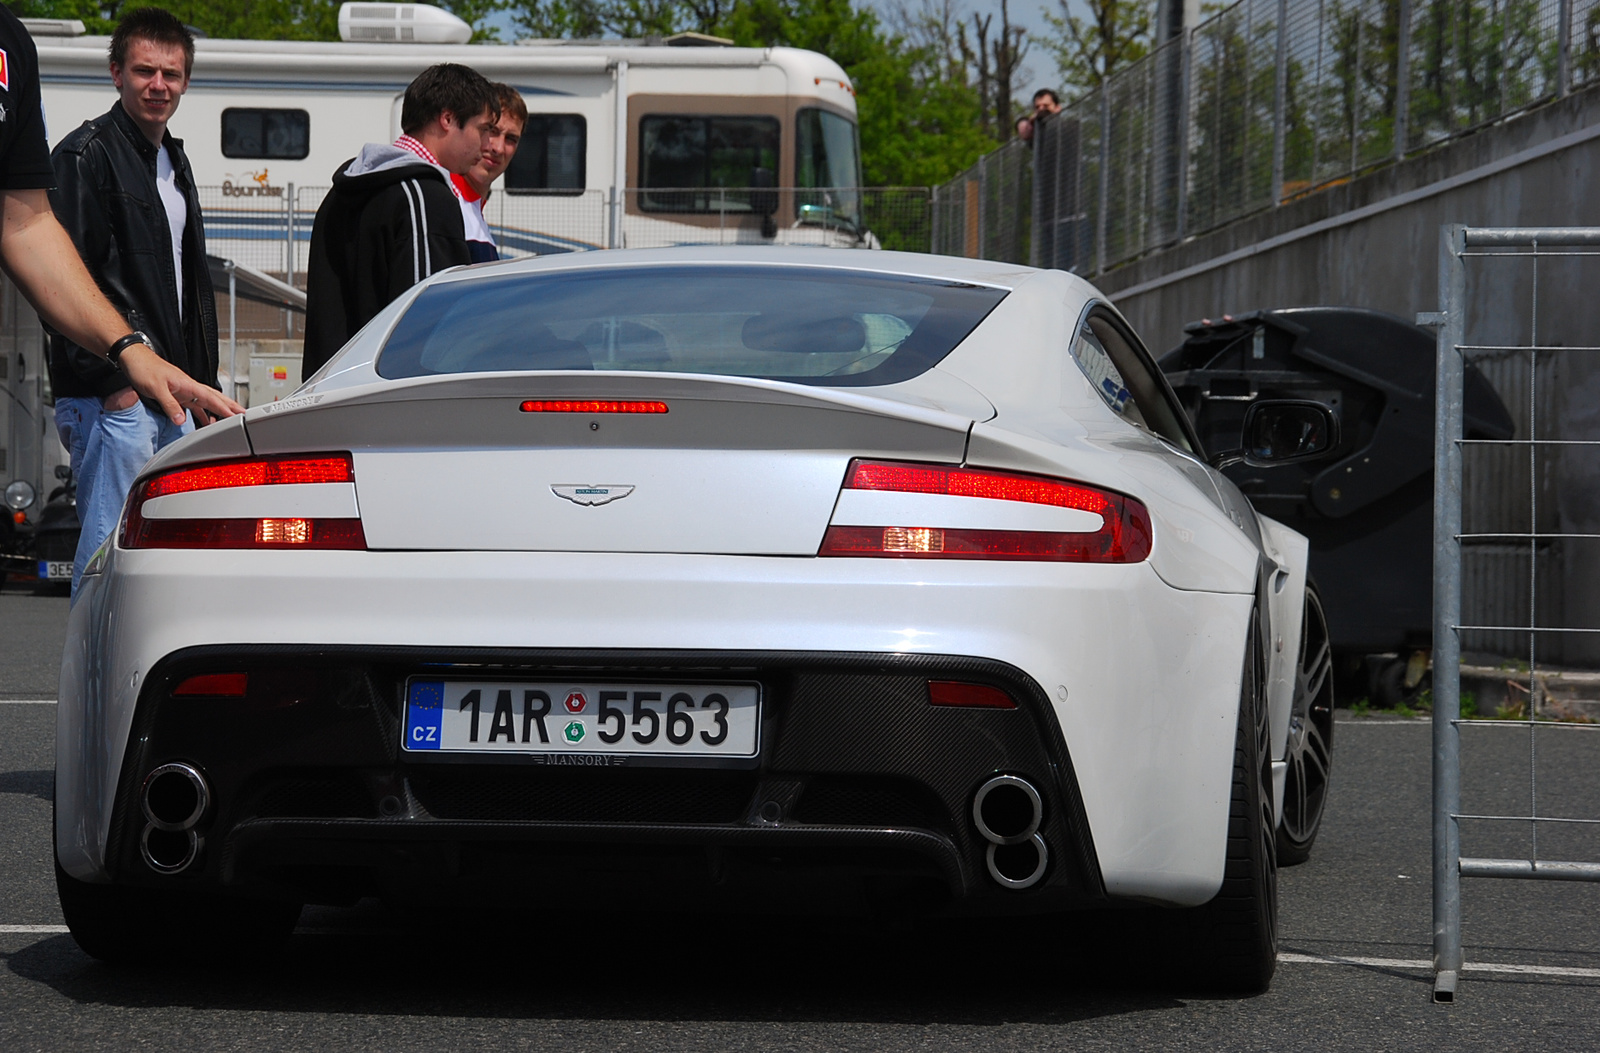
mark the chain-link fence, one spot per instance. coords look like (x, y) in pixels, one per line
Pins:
(983, 212)
(1516, 540)
(1265, 101)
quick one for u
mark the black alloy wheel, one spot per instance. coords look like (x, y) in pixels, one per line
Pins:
(1310, 747)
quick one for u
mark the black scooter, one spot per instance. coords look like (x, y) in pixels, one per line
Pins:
(55, 535)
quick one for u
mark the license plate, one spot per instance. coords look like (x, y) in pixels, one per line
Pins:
(54, 571)
(551, 718)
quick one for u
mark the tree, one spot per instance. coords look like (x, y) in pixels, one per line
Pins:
(917, 126)
(244, 19)
(998, 63)
(1115, 34)
(256, 20)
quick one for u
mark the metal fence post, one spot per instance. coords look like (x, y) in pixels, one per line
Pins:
(983, 207)
(1103, 204)
(1564, 49)
(619, 161)
(233, 330)
(288, 252)
(1280, 101)
(1448, 415)
(1402, 82)
(1183, 132)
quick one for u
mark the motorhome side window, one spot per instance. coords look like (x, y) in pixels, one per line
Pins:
(550, 158)
(683, 161)
(273, 135)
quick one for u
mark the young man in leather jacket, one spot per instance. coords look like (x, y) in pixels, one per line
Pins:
(126, 195)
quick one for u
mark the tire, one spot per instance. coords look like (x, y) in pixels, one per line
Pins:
(137, 926)
(1230, 945)
(1389, 689)
(1309, 752)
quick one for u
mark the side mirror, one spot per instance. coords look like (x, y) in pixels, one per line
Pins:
(1281, 431)
(63, 471)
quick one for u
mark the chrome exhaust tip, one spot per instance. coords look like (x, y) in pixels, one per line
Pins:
(174, 797)
(169, 851)
(1020, 865)
(1007, 810)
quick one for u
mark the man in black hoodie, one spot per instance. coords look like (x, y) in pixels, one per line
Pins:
(393, 216)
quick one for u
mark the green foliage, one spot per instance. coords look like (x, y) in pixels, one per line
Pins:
(1115, 34)
(256, 20)
(917, 128)
(243, 19)
(472, 12)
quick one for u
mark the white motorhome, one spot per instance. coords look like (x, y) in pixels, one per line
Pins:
(628, 143)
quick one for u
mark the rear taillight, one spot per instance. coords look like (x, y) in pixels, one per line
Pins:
(1124, 535)
(287, 532)
(214, 685)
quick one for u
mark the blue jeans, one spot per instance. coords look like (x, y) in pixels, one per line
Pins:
(118, 446)
(75, 418)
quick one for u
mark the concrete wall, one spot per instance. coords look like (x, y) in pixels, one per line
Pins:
(1374, 242)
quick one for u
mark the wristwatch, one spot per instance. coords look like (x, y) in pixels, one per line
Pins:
(114, 352)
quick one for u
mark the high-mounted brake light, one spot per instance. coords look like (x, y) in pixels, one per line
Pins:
(1124, 535)
(591, 406)
(270, 532)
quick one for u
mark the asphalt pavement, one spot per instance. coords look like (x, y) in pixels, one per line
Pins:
(1355, 937)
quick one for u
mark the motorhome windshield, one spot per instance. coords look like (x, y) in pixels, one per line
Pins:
(806, 325)
(827, 158)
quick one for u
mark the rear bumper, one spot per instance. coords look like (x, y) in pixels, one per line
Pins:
(311, 795)
(1130, 691)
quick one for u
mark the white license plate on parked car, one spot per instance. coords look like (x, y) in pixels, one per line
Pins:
(51, 570)
(553, 717)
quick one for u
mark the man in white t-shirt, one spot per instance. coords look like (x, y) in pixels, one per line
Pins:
(498, 150)
(126, 195)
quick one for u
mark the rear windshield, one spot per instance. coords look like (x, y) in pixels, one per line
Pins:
(803, 324)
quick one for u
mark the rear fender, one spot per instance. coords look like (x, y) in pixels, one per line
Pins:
(1285, 552)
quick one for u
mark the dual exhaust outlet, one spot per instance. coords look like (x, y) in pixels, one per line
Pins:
(174, 799)
(1007, 811)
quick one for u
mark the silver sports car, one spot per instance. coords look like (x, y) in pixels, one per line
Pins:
(721, 576)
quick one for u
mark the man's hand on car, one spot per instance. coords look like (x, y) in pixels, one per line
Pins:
(176, 391)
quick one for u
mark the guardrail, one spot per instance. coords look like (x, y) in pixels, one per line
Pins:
(1530, 529)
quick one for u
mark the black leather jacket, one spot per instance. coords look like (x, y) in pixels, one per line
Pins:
(106, 198)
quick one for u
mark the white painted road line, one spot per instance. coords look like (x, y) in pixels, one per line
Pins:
(27, 701)
(1573, 973)
(1559, 971)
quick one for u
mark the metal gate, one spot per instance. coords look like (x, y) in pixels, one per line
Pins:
(1505, 265)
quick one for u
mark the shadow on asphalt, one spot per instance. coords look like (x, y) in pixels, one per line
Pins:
(40, 784)
(699, 969)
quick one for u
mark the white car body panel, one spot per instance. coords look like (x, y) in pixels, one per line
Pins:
(735, 501)
(1151, 741)
(715, 549)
